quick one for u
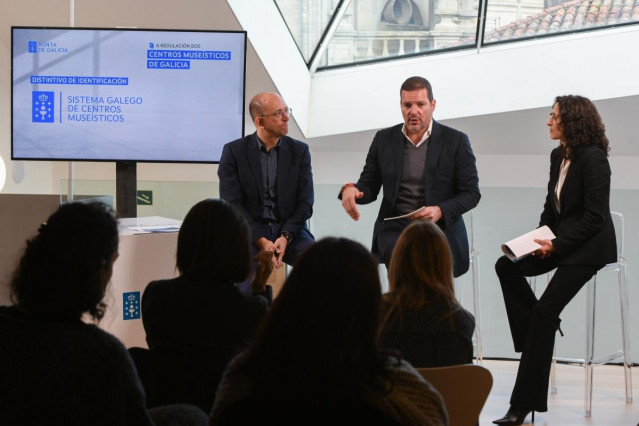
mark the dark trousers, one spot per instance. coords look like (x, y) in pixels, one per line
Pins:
(533, 322)
(301, 241)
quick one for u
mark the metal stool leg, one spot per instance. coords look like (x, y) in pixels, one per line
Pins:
(553, 371)
(591, 289)
(477, 341)
(623, 302)
(477, 306)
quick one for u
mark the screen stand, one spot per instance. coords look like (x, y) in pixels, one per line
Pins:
(126, 188)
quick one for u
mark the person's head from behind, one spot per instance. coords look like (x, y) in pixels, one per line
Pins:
(418, 105)
(322, 327)
(214, 243)
(66, 267)
(579, 123)
(421, 267)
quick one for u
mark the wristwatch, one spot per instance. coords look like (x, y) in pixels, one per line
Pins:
(288, 236)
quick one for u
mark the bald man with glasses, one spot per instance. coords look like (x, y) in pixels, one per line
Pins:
(268, 177)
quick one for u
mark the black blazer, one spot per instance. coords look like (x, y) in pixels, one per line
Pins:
(240, 173)
(584, 231)
(451, 182)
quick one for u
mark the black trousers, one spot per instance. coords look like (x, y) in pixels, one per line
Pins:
(533, 322)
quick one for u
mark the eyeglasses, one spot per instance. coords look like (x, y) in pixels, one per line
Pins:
(279, 113)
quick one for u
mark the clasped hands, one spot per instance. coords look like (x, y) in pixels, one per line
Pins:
(269, 257)
(276, 249)
(351, 194)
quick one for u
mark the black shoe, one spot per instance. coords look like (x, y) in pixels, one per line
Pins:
(515, 416)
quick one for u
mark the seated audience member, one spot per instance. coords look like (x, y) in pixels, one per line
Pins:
(315, 359)
(55, 368)
(197, 322)
(421, 317)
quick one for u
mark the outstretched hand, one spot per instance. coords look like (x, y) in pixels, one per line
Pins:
(349, 197)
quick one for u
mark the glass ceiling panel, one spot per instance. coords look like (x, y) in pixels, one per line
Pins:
(307, 20)
(373, 30)
(515, 19)
(385, 29)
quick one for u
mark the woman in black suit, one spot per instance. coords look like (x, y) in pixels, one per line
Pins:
(577, 209)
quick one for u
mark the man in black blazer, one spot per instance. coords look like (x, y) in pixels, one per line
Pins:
(267, 176)
(420, 164)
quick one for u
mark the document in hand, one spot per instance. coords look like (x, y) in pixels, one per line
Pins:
(405, 215)
(522, 246)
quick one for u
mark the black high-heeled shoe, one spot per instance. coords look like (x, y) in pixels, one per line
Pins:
(515, 416)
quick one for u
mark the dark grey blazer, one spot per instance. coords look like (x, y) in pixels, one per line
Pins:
(451, 182)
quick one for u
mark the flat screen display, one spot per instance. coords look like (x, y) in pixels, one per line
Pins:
(95, 94)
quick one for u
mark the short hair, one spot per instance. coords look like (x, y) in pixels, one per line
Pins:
(255, 108)
(581, 124)
(417, 83)
(321, 332)
(421, 267)
(214, 243)
(62, 271)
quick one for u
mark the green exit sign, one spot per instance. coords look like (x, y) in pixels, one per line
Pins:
(144, 198)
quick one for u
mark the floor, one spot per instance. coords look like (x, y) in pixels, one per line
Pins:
(566, 407)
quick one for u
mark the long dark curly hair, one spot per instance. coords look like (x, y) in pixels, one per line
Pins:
(65, 267)
(581, 125)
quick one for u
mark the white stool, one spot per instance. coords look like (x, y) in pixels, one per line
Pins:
(589, 362)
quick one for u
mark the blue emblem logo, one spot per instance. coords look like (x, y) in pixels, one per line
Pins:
(131, 305)
(33, 46)
(42, 107)
(150, 45)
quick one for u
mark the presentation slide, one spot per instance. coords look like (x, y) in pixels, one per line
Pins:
(126, 95)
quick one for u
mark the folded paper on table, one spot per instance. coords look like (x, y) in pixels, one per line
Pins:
(522, 246)
(147, 225)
